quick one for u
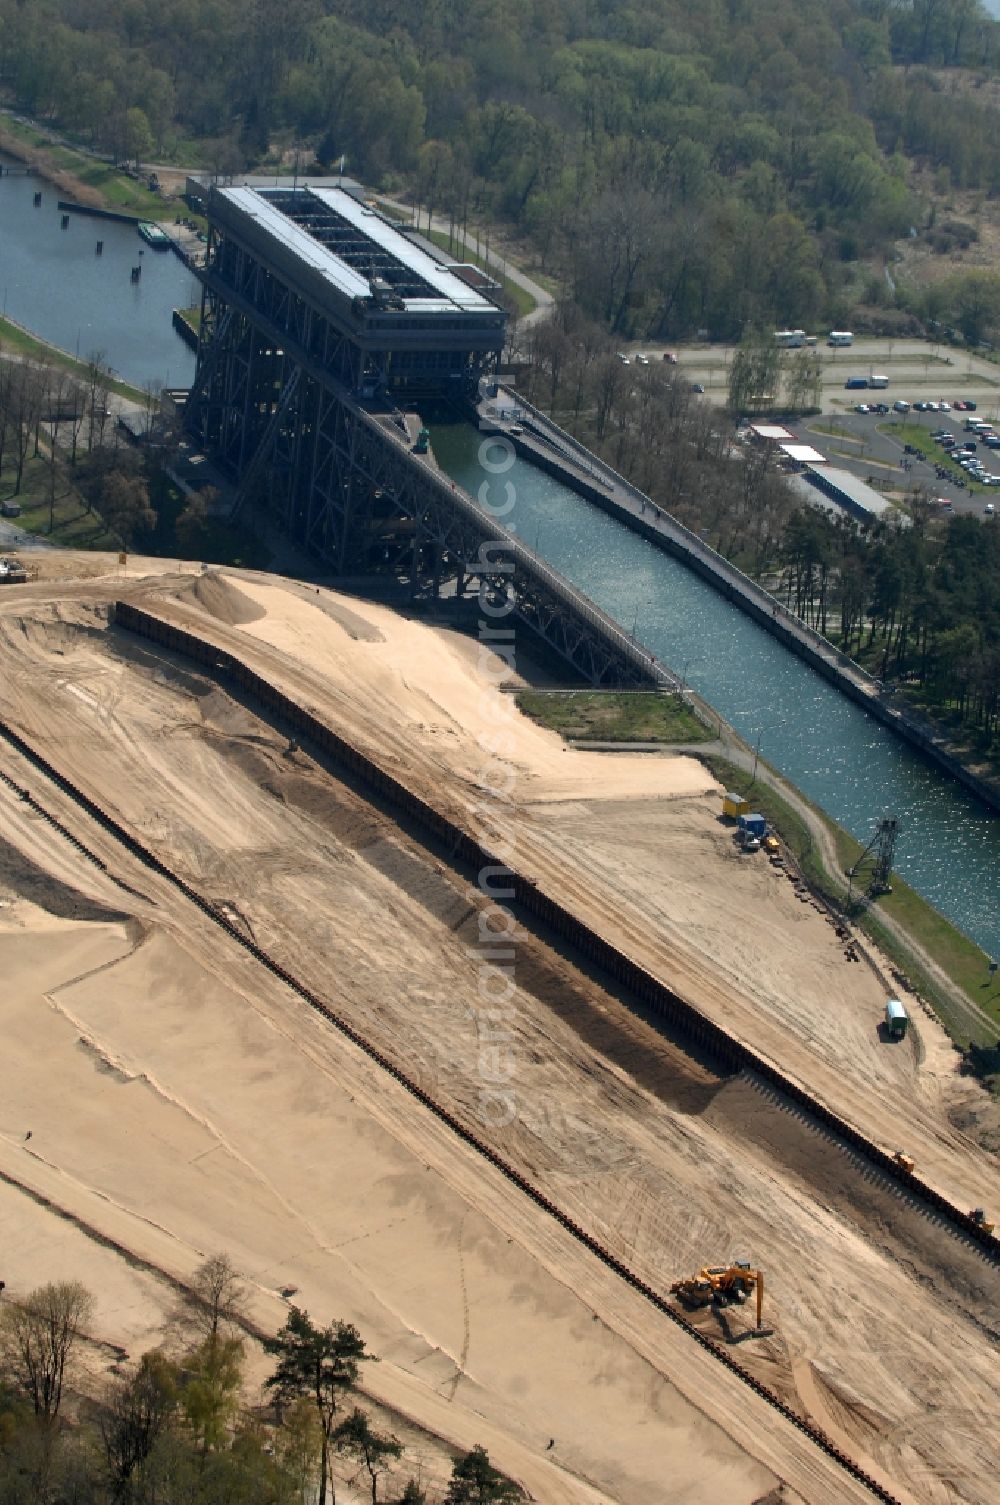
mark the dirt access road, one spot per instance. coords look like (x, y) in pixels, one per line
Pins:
(167, 1049)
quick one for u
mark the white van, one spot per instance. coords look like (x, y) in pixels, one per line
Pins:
(878, 381)
(840, 337)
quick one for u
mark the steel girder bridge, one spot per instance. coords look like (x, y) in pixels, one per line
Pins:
(296, 397)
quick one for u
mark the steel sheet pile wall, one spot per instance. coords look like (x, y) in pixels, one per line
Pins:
(640, 982)
(644, 986)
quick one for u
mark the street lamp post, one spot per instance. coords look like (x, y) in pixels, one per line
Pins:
(756, 750)
(756, 755)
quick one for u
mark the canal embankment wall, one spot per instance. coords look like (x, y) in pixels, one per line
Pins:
(560, 455)
(187, 331)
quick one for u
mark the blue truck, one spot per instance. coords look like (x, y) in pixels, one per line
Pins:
(751, 830)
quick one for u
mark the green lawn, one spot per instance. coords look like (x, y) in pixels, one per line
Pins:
(920, 437)
(614, 716)
(17, 341)
(74, 528)
(116, 190)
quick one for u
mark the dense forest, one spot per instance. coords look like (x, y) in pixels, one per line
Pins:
(682, 164)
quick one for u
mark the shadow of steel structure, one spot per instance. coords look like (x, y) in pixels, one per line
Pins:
(320, 322)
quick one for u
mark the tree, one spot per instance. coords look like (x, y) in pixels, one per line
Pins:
(124, 508)
(137, 1411)
(37, 1339)
(98, 388)
(474, 1481)
(319, 1362)
(216, 1298)
(753, 375)
(375, 1450)
(213, 1374)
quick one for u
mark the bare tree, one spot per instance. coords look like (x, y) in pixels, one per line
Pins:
(37, 1338)
(23, 407)
(98, 388)
(215, 1301)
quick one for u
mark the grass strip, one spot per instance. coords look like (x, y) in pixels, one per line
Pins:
(614, 716)
(74, 172)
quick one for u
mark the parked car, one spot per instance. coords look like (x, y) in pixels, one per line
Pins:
(992, 441)
(970, 407)
(959, 407)
(921, 407)
(944, 407)
(696, 386)
(899, 406)
(670, 357)
(989, 509)
(642, 360)
(881, 407)
(624, 358)
(861, 407)
(933, 407)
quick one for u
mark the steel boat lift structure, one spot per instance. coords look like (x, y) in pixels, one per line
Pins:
(323, 325)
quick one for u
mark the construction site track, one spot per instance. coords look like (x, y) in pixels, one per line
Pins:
(641, 983)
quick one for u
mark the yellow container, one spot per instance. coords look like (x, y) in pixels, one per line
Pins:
(734, 805)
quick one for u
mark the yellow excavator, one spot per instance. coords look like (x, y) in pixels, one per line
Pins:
(721, 1284)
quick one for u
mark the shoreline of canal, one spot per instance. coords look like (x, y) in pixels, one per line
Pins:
(665, 533)
(29, 345)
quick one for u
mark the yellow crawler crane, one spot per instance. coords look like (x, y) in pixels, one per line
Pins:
(721, 1284)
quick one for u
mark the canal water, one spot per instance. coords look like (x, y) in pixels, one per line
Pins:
(839, 756)
(52, 282)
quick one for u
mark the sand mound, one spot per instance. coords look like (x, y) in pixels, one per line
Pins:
(221, 599)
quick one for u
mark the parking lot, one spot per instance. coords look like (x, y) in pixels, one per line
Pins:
(918, 371)
(873, 446)
(868, 443)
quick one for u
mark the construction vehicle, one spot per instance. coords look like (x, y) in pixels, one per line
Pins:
(905, 1162)
(721, 1284)
(978, 1216)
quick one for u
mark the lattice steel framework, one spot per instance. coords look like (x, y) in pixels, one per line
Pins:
(273, 403)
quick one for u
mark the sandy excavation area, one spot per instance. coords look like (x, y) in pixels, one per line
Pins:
(181, 1101)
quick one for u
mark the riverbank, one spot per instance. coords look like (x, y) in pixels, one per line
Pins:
(75, 173)
(23, 344)
(925, 957)
(560, 455)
